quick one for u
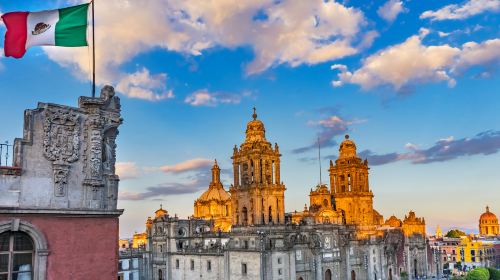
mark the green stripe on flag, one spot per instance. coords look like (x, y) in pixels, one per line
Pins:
(71, 29)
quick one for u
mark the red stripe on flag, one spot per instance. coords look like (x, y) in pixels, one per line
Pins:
(15, 37)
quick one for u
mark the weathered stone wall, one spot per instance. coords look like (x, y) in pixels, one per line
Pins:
(235, 259)
(200, 269)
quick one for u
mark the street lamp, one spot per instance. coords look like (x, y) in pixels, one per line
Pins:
(261, 234)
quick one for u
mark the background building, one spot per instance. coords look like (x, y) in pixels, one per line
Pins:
(488, 223)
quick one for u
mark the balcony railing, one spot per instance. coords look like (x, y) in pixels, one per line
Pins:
(6, 154)
(6, 161)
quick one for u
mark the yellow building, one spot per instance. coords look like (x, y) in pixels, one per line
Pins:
(488, 223)
(475, 252)
(139, 240)
(258, 195)
(215, 203)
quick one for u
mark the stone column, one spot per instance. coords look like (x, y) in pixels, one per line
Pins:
(277, 175)
(94, 150)
(256, 170)
(319, 267)
(236, 172)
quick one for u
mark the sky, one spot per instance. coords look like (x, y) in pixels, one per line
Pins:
(414, 83)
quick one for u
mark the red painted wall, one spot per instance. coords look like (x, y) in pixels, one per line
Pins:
(80, 247)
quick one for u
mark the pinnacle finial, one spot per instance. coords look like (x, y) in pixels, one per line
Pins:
(487, 209)
(161, 206)
(346, 136)
(216, 162)
(254, 113)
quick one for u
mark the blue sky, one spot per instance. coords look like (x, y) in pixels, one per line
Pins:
(415, 84)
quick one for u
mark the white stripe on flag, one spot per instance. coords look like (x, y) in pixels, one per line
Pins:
(42, 28)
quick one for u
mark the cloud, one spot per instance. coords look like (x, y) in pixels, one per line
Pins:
(484, 143)
(188, 165)
(285, 32)
(205, 98)
(466, 10)
(484, 53)
(391, 9)
(166, 189)
(142, 84)
(127, 170)
(330, 128)
(412, 62)
(198, 176)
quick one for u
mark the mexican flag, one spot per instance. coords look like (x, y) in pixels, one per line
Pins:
(64, 27)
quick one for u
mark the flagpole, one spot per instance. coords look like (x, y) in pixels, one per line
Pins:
(93, 50)
(319, 160)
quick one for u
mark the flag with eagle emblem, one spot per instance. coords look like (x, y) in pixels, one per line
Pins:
(65, 27)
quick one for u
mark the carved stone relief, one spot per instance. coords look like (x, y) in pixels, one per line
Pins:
(61, 144)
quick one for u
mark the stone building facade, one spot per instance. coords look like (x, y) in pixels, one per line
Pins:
(339, 236)
(60, 195)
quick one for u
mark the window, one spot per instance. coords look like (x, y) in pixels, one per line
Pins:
(280, 271)
(192, 264)
(244, 269)
(160, 274)
(279, 260)
(16, 256)
(177, 264)
(209, 265)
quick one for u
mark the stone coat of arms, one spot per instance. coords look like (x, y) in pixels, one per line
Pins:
(61, 144)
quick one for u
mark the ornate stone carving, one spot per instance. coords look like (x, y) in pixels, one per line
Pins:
(61, 142)
(61, 145)
(101, 130)
(61, 172)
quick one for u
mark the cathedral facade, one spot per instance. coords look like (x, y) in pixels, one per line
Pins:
(246, 234)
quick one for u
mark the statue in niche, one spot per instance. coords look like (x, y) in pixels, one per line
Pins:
(109, 153)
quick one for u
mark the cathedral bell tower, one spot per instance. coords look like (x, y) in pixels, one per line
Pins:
(257, 194)
(349, 186)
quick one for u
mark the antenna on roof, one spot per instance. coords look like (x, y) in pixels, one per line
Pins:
(319, 161)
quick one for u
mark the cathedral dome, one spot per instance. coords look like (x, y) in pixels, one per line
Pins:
(488, 217)
(160, 212)
(215, 189)
(255, 129)
(347, 148)
(215, 193)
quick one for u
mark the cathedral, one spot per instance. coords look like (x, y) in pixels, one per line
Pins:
(244, 233)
